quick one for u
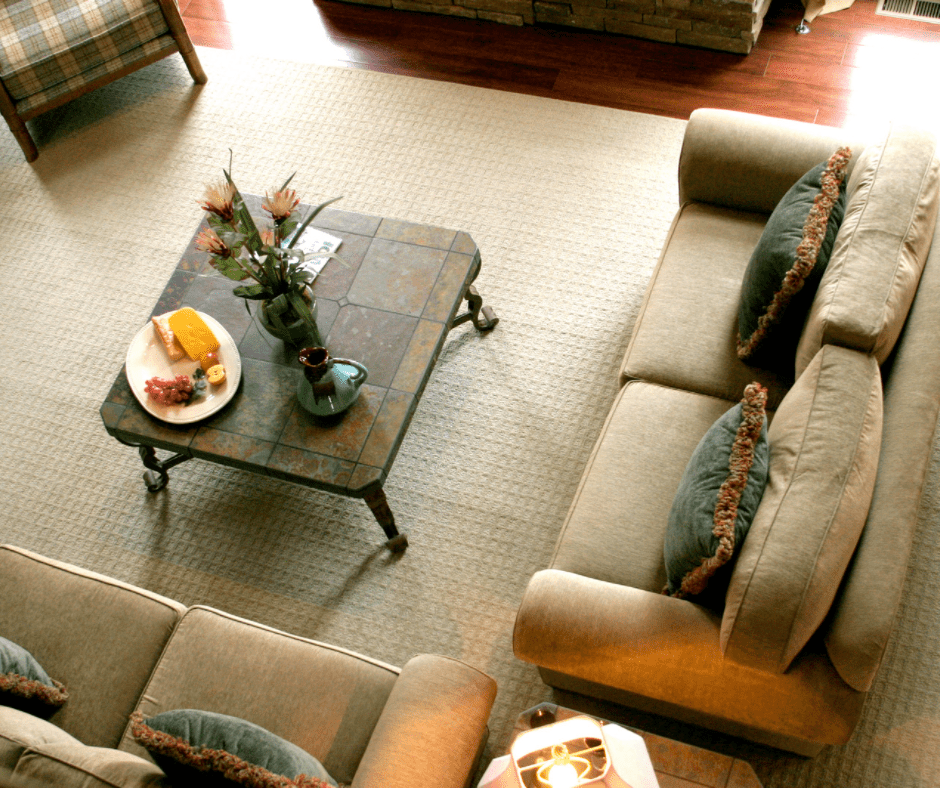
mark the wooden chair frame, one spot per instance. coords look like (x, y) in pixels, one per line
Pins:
(184, 46)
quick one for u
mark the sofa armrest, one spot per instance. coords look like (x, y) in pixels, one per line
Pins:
(663, 654)
(758, 157)
(600, 631)
(432, 729)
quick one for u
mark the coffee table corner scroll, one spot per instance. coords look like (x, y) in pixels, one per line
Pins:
(483, 317)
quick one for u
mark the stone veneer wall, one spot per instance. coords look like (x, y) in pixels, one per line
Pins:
(727, 25)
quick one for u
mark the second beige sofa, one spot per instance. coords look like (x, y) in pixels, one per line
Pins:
(118, 648)
(812, 599)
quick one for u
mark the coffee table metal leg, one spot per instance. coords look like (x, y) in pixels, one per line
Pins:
(156, 477)
(483, 317)
(378, 503)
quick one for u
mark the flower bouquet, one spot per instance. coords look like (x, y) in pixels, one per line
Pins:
(241, 251)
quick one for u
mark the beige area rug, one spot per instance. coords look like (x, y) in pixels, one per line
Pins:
(569, 204)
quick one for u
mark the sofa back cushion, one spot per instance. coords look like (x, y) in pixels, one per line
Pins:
(824, 443)
(318, 697)
(903, 505)
(879, 254)
(100, 637)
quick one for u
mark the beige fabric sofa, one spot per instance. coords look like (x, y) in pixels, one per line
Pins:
(810, 607)
(118, 648)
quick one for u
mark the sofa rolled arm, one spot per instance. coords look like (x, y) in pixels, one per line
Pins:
(599, 631)
(744, 161)
(664, 655)
(432, 729)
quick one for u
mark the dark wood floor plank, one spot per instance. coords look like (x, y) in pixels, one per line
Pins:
(854, 67)
(678, 97)
(811, 71)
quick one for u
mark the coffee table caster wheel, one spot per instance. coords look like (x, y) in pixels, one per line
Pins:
(397, 544)
(154, 481)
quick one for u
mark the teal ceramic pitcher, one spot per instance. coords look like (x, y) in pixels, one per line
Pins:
(329, 385)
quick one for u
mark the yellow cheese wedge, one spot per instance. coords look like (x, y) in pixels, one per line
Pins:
(192, 333)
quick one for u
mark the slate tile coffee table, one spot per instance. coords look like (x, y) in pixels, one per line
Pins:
(390, 309)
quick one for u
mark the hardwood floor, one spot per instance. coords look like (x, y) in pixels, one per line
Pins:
(855, 67)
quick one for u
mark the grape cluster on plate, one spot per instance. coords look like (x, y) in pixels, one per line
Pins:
(169, 392)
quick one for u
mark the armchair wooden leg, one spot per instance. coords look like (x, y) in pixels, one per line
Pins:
(17, 126)
(195, 67)
(24, 138)
(178, 30)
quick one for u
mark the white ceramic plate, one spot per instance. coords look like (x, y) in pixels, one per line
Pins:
(147, 358)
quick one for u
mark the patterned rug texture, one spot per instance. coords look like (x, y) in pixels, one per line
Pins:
(569, 204)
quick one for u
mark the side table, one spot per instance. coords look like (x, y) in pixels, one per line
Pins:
(677, 765)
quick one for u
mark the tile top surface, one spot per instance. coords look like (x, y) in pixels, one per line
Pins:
(389, 307)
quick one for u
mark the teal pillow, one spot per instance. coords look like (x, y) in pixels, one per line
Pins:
(783, 273)
(717, 499)
(23, 682)
(214, 750)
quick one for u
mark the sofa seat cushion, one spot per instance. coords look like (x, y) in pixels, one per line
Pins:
(686, 333)
(35, 752)
(824, 444)
(47, 42)
(879, 255)
(616, 525)
(114, 631)
(320, 698)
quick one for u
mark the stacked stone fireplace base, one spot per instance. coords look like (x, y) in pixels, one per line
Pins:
(726, 25)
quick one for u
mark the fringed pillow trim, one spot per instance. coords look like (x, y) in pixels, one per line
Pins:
(207, 760)
(31, 689)
(814, 233)
(729, 495)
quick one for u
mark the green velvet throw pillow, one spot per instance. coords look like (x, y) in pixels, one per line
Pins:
(783, 273)
(717, 499)
(215, 750)
(23, 682)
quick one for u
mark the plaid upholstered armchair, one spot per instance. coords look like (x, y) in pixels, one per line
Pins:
(52, 51)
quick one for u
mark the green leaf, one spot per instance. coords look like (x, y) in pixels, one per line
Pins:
(227, 266)
(253, 292)
(303, 311)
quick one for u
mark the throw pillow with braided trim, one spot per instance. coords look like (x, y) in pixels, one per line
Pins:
(716, 501)
(24, 684)
(783, 273)
(218, 751)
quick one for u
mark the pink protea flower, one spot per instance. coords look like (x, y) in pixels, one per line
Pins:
(281, 204)
(267, 237)
(219, 199)
(209, 241)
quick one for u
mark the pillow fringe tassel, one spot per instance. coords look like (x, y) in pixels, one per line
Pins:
(205, 759)
(24, 687)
